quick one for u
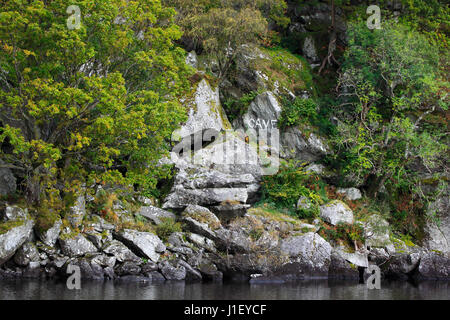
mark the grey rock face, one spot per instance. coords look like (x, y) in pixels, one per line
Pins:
(191, 274)
(26, 254)
(262, 113)
(155, 214)
(171, 272)
(335, 212)
(228, 211)
(202, 242)
(12, 213)
(7, 181)
(50, 236)
(77, 246)
(401, 264)
(148, 245)
(128, 268)
(181, 197)
(356, 258)
(89, 269)
(309, 255)
(205, 113)
(202, 214)
(200, 220)
(350, 193)
(295, 146)
(120, 251)
(13, 239)
(104, 261)
(342, 269)
(433, 266)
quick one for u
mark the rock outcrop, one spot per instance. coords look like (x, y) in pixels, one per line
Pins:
(336, 212)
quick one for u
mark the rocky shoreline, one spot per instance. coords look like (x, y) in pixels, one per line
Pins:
(282, 249)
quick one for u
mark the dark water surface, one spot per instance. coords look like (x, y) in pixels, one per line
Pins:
(302, 290)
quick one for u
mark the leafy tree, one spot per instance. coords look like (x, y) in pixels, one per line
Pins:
(222, 27)
(390, 82)
(94, 104)
(223, 31)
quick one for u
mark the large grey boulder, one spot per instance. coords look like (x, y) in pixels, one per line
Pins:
(230, 153)
(104, 260)
(309, 256)
(155, 214)
(7, 181)
(50, 236)
(128, 268)
(17, 232)
(400, 265)
(121, 252)
(76, 246)
(350, 193)
(145, 244)
(336, 212)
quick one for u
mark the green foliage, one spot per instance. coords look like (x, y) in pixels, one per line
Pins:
(167, 227)
(285, 188)
(235, 108)
(289, 70)
(223, 31)
(8, 225)
(297, 112)
(46, 218)
(222, 27)
(97, 104)
(348, 233)
(389, 75)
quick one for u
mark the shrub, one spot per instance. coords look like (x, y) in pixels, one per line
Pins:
(297, 112)
(167, 227)
(285, 188)
(235, 108)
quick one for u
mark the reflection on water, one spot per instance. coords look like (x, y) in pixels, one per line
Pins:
(302, 290)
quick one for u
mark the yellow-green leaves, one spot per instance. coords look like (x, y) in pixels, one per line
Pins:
(81, 103)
